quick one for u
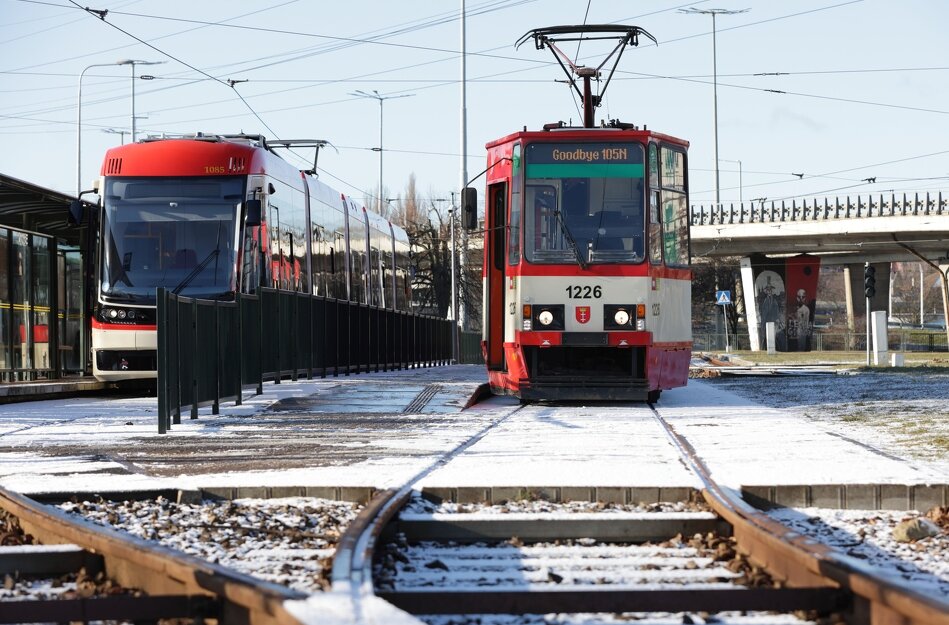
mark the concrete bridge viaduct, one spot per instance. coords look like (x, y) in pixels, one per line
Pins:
(851, 231)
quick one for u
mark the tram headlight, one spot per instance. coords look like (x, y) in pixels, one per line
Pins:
(547, 317)
(121, 314)
(623, 317)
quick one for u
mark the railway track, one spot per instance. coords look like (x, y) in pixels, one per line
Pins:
(120, 577)
(782, 570)
(717, 555)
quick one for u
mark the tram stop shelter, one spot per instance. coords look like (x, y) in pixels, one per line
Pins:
(42, 284)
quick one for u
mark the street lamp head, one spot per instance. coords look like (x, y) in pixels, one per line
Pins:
(695, 11)
(362, 94)
(137, 62)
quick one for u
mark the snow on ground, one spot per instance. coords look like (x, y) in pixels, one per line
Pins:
(903, 410)
(287, 541)
(865, 537)
(747, 443)
(864, 428)
(354, 432)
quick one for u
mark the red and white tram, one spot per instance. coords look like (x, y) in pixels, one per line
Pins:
(587, 285)
(208, 216)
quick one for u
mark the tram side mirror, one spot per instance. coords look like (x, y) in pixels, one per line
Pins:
(75, 213)
(469, 204)
(252, 212)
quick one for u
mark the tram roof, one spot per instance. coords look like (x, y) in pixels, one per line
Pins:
(574, 133)
(31, 207)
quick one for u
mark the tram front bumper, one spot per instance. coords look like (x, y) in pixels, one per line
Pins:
(583, 389)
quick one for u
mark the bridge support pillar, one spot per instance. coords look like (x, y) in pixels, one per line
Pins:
(944, 270)
(751, 305)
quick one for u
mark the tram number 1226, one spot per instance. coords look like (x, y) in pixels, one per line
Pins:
(584, 292)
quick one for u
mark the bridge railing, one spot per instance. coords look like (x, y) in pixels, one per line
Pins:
(819, 210)
(212, 351)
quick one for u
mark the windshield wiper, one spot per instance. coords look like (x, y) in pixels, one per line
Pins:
(195, 272)
(204, 263)
(573, 244)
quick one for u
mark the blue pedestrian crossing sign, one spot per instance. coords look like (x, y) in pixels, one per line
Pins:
(723, 297)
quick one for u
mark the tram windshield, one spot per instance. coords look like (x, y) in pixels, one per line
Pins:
(598, 191)
(176, 233)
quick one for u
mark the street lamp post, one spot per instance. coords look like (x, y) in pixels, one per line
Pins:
(133, 63)
(739, 177)
(79, 125)
(113, 131)
(455, 346)
(713, 13)
(376, 96)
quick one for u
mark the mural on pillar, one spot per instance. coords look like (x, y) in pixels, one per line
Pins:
(770, 298)
(802, 273)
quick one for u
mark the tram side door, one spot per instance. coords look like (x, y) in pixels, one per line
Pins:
(494, 288)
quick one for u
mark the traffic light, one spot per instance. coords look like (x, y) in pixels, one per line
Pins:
(869, 280)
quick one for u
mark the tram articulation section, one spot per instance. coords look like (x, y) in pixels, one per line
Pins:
(219, 265)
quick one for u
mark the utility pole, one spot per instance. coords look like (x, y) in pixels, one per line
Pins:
(460, 323)
(714, 13)
(133, 63)
(381, 98)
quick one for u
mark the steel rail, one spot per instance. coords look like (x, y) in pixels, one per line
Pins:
(801, 561)
(352, 576)
(155, 569)
(352, 564)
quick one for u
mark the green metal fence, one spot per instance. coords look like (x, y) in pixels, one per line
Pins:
(210, 352)
(471, 349)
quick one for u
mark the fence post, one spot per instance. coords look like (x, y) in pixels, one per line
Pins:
(260, 341)
(240, 349)
(161, 315)
(348, 317)
(194, 363)
(218, 364)
(294, 331)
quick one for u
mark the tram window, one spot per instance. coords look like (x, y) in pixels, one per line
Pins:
(655, 229)
(498, 193)
(655, 224)
(674, 207)
(544, 236)
(514, 225)
(514, 240)
(673, 169)
(339, 266)
(584, 203)
(250, 278)
(375, 284)
(5, 298)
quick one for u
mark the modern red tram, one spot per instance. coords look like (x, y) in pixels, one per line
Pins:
(209, 216)
(587, 285)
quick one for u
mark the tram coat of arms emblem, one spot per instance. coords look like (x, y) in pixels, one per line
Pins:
(583, 314)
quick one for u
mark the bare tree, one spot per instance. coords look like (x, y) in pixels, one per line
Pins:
(708, 276)
(428, 224)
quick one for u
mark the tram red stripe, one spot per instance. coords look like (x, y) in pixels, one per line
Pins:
(575, 271)
(98, 325)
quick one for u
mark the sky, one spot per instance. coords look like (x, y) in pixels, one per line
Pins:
(815, 98)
